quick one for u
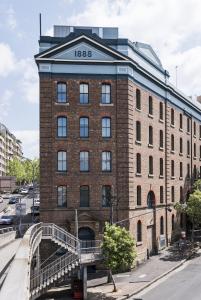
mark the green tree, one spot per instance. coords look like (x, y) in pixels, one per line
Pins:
(119, 249)
(31, 170)
(192, 208)
(15, 168)
(197, 185)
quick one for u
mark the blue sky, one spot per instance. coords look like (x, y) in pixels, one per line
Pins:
(171, 27)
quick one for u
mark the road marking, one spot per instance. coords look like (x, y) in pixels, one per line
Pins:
(142, 276)
(123, 275)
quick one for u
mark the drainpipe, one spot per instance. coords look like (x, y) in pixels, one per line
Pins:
(166, 158)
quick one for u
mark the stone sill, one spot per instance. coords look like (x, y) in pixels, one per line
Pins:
(150, 175)
(150, 146)
(137, 109)
(172, 151)
(180, 154)
(161, 121)
(139, 244)
(173, 177)
(138, 142)
(150, 116)
(62, 103)
(106, 104)
(181, 129)
(161, 148)
(172, 125)
(161, 176)
(180, 178)
(138, 174)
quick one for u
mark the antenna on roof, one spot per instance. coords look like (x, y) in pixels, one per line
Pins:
(40, 26)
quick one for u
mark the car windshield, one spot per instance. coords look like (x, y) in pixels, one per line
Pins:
(5, 217)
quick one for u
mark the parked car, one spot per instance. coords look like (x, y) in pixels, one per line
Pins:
(6, 196)
(6, 220)
(1, 199)
(13, 200)
(24, 191)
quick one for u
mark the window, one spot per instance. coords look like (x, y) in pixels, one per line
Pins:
(161, 194)
(181, 194)
(172, 222)
(106, 127)
(188, 171)
(84, 127)
(172, 116)
(188, 148)
(161, 167)
(138, 163)
(188, 125)
(172, 194)
(150, 135)
(194, 172)
(161, 225)
(84, 93)
(62, 196)
(106, 195)
(194, 129)
(61, 161)
(181, 170)
(84, 161)
(161, 110)
(151, 170)
(106, 94)
(138, 99)
(62, 127)
(200, 131)
(200, 152)
(194, 147)
(139, 195)
(172, 142)
(139, 231)
(150, 105)
(138, 131)
(181, 145)
(161, 139)
(61, 92)
(106, 161)
(84, 196)
(180, 121)
(172, 168)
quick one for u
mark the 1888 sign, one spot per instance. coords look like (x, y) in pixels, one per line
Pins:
(83, 53)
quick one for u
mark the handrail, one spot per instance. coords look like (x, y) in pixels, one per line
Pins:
(6, 229)
(52, 269)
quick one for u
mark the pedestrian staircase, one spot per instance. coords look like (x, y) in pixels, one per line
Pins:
(48, 275)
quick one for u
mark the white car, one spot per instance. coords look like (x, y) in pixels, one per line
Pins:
(1, 199)
(24, 191)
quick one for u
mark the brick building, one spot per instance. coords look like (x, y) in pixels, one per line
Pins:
(111, 124)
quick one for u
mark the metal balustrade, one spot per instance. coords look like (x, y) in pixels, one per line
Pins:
(5, 230)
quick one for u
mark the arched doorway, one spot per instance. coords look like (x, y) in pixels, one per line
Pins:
(87, 237)
(151, 228)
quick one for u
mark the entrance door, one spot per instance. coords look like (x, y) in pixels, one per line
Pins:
(150, 237)
(87, 237)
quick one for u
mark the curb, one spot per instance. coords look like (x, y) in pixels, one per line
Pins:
(154, 280)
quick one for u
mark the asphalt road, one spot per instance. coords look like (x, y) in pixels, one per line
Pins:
(182, 285)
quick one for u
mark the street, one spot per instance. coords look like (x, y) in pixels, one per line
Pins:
(181, 285)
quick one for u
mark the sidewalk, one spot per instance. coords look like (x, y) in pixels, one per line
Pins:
(131, 283)
(7, 252)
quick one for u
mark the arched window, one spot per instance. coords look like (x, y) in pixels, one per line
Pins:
(139, 195)
(62, 127)
(181, 170)
(61, 92)
(181, 194)
(188, 171)
(138, 99)
(200, 151)
(150, 135)
(194, 129)
(84, 93)
(139, 231)
(172, 222)
(172, 116)
(195, 172)
(84, 127)
(172, 142)
(84, 196)
(161, 139)
(161, 167)
(172, 168)
(188, 125)
(188, 147)
(150, 105)
(150, 199)
(200, 131)
(172, 194)
(161, 225)
(61, 161)
(180, 121)
(138, 163)
(161, 194)
(105, 93)
(181, 145)
(151, 167)
(194, 149)
(138, 131)
(161, 111)
(106, 127)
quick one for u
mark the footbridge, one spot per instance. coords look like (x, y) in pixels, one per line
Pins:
(25, 280)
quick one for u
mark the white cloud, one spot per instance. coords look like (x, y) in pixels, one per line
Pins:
(5, 104)
(7, 61)
(10, 18)
(28, 84)
(30, 142)
(171, 27)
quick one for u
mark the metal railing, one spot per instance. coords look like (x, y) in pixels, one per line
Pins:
(53, 271)
(5, 230)
(60, 235)
(90, 246)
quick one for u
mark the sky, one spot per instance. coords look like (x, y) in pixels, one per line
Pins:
(172, 28)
